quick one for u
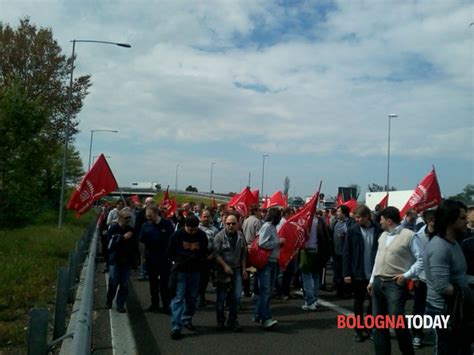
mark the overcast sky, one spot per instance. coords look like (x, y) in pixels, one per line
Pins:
(310, 83)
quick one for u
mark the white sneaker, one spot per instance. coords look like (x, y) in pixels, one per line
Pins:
(310, 307)
(270, 323)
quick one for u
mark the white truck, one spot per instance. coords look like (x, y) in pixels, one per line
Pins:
(144, 185)
(397, 199)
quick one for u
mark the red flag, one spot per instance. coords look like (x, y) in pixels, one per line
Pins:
(243, 202)
(427, 194)
(135, 200)
(98, 182)
(384, 202)
(277, 199)
(265, 203)
(339, 200)
(233, 199)
(352, 204)
(296, 230)
(256, 196)
(168, 204)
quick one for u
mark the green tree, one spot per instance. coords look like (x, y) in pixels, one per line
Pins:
(23, 123)
(33, 57)
(466, 196)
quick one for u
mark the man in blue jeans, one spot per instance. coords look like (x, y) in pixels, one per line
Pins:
(398, 259)
(230, 252)
(188, 252)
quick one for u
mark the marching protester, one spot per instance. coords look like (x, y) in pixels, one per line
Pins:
(360, 249)
(207, 227)
(155, 236)
(445, 269)
(398, 259)
(268, 239)
(230, 250)
(139, 221)
(188, 251)
(288, 274)
(423, 236)
(250, 228)
(313, 258)
(122, 257)
(344, 222)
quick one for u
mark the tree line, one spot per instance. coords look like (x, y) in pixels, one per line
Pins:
(34, 108)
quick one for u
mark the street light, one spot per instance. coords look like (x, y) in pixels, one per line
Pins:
(390, 116)
(210, 187)
(69, 116)
(92, 138)
(263, 172)
(176, 179)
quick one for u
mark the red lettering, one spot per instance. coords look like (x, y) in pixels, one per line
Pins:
(400, 322)
(379, 322)
(349, 320)
(369, 321)
(389, 322)
(341, 321)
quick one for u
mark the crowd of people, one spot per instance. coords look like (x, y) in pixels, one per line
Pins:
(378, 258)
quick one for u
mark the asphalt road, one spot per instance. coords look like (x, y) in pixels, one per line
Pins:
(298, 331)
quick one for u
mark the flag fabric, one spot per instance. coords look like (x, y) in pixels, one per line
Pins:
(135, 200)
(98, 182)
(426, 195)
(256, 196)
(243, 202)
(340, 201)
(169, 204)
(233, 199)
(352, 204)
(277, 199)
(265, 203)
(384, 202)
(296, 231)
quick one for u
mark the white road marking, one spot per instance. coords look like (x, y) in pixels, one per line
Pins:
(335, 307)
(121, 333)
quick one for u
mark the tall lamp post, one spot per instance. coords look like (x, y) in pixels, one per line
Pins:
(263, 171)
(176, 179)
(69, 116)
(390, 116)
(92, 138)
(210, 187)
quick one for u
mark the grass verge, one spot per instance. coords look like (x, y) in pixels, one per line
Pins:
(29, 258)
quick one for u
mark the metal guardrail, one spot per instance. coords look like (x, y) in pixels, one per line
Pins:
(67, 282)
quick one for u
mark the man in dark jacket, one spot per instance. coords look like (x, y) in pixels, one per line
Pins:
(123, 248)
(360, 249)
(188, 251)
(155, 235)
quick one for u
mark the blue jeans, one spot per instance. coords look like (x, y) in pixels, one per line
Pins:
(449, 341)
(118, 278)
(310, 286)
(388, 298)
(183, 304)
(235, 293)
(266, 280)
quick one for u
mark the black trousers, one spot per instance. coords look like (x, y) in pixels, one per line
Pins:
(158, 276)
(419, 303)
(359, 288)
